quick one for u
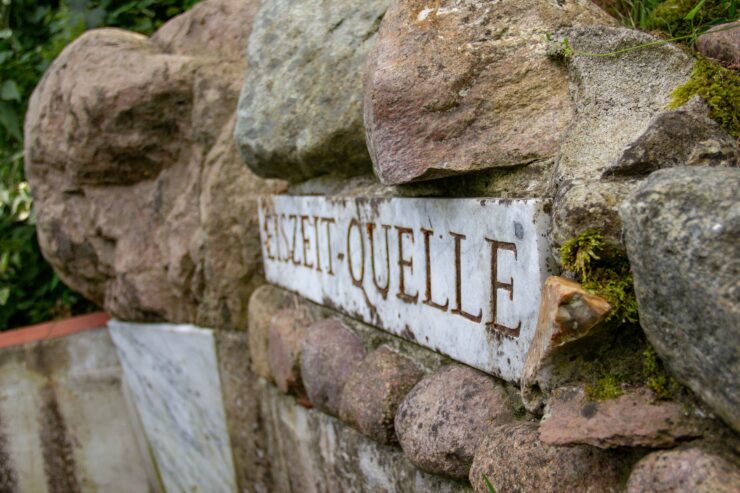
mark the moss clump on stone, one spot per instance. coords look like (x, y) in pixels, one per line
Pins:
(719, 87)
(609, 386)
(671, 16)
(656, 377)
(609, 277)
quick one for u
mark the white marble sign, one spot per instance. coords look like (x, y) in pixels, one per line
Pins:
(461, 276)
(172, 371)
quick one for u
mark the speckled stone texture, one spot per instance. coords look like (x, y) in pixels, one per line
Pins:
(614, 108)
(300, 110)
(143, 204)
(681, 230)
(264, 303)
(686, 136)
(330, 353)
(513, 459)
(722, 43)
(635, 419)
(284, 341)
(375, 390)
(450, 86)
(441, 421)
(689, 469)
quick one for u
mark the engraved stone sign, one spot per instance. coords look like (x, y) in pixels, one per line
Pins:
(460, 276)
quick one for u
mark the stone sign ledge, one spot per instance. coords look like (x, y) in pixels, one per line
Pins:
(460, 276)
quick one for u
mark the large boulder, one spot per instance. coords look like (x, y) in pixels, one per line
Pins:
(681, 230)
(300, 111)
(143, 205)
(454, 86)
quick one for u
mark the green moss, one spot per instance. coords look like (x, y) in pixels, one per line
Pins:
(608, 386)
(671, 16)
(609, 277)
(656, 376)
(719, 87)
(578, 254)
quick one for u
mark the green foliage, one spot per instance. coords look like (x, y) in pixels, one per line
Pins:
(32, 34)
(489, 486)
(609, 277)
(719, 87)
(656, 377)
(690, 17)
(676, 18)
(608, 386)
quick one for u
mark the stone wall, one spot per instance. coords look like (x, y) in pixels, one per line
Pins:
(146, 157)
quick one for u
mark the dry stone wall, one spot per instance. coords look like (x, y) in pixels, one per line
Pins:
(349, 371)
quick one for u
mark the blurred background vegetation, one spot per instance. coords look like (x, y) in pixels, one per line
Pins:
(33, 33)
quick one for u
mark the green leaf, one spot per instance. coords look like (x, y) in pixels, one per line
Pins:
(489, 486)
(10, 121)
(9, 91)
(4, 295)
(692, 13)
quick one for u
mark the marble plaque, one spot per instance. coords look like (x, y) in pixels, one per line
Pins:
(172, 371)
(460, 276)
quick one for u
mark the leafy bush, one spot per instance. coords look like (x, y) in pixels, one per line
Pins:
(32, 34)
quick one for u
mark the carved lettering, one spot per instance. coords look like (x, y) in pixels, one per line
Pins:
(268, 238)
(329, 221)
(402, 264)
(496, 285)
(383, 290)
(458, 308)
(357, 281)
(294, 246)
(305, 242)
(288, 253)
(318, 243)
(428, 293)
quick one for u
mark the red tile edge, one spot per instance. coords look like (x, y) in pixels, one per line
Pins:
(52, 330)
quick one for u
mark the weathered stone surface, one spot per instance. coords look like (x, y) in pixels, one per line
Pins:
(683, 137)
(119, 129)
(722, 42)
(212, 29)
(635, 419)
(329, 354)
(264, 303)
(616, 99)
(581, 205)
(567, 314)
(424, 269)
(312, 452)
(690, 469)
(300, 111)
(441, 421)
(450, 86)
(681, 230)
(173, 374)
(239, 386)
(284, 342)
(65, 420)
(514, 459)
(374, 391)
